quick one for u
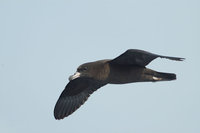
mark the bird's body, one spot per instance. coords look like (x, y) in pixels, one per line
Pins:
(128, 75)
(127, 68)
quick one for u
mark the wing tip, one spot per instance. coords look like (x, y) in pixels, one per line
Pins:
(60, 115)
(173, 58)
(182, 59)
(60, 112)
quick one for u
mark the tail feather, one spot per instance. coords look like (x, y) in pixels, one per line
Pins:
(164, 76)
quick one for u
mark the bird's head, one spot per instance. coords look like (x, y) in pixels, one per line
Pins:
(84, 70)
(98, 70)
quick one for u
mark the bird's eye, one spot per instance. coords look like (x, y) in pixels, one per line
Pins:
(82, 69)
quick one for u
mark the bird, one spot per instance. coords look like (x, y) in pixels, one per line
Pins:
(129, 67)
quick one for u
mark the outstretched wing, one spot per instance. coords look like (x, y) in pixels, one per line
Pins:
(139, 57)
(74, 95)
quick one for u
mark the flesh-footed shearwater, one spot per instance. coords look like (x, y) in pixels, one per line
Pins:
(129, 67)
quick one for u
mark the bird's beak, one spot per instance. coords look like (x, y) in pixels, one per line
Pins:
(76, 75)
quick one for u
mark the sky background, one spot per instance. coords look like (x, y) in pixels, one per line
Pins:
(42, 42)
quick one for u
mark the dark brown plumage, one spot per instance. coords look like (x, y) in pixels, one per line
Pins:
(126, 68)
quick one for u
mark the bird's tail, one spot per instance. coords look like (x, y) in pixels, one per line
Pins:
(151, 75)
(160, 76)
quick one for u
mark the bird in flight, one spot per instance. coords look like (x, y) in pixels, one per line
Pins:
(129, 67)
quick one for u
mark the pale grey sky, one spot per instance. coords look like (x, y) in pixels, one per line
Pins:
(42, 42)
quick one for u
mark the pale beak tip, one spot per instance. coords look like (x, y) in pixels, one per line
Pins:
(70, 78)
(76, 75)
